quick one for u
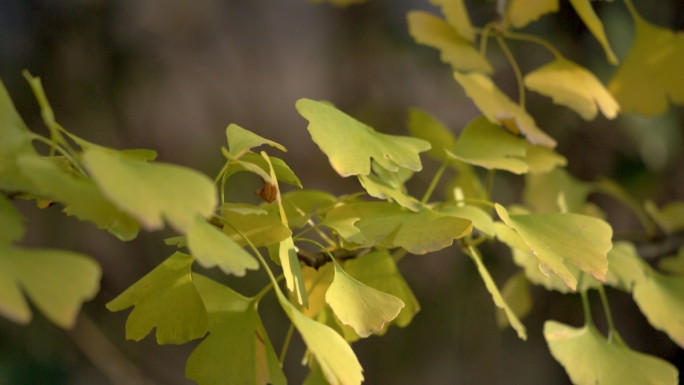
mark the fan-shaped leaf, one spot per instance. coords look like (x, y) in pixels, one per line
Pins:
(522, 12)
(661, 299)
(424, 126)
(590, 359)
(262, 230)
(673, 264)
(454, 49)
(12, 226)
(457, 15)
(249, 160)
(15, 140)
(573, 86)
(588, 16)
(670, 217)
(293, 271)
(481, 220)
(542, 190)
(350, 145)
(498, 108)
(378, 189)
(240, 141)
(56, 281)
(165, 298)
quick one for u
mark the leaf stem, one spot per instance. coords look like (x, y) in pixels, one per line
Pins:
(286, 344)
(323, 248)
(534, 39)
(516, 69)
(433, 183)
(490, 183)
(609, 314)
(587, 309)
(62, 151)
(484, 35)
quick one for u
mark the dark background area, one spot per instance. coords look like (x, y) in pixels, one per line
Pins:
(172, 74)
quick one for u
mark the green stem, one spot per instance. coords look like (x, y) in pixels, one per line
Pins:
(332, 257)
(484, 35)
(587, 310)
(267, 289)
(62, 151)
(286, 343)
(609, 314)
(295, 237)
(534, 39)
(516, 69)
(490, 182)
(433, 183)
(220, 174)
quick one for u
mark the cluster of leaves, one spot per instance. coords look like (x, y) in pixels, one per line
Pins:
(350, 287)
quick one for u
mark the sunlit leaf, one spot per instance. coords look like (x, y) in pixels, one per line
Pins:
(522, 12)
(332, 352)
(481, 220)
(498, 298)
(15, 140)
(625, 267)
(516, 293)
(12, 226)
(301, 205)
(240, 141)
(315, 376)
(250, 159)
(378, 189)
(573, 86)
(456, 14)
(80, 196)
(591, 20)
(166, 299)
(454, 49)
(424, 126)
(559, 238)
(590, 359)
(541, 191)
(670, 217)
(152, 192)
(56, 281)
(388, 224)
(360, 306)
(651, 73)
(498, 108)
(237, 349)
(350, 145)
(661, 299)
(316, 282)
(242, 209)
(262, 230)
(395, 180)
(293, 271)
(211, 248)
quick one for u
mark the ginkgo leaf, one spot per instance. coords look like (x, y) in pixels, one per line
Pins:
(481, 220)
(316, 282)
(541, 191)
(498, 108)
(651, 73)
(237, 349)
(152, 192)
(378, 270)
(573, 86)
(211, 248)
(12, 226)
(613, 189)
(166, 299)
(559, 238)
(56, 281)
(282, 170)
(396, 179)
(673, 264)
(378, 189)
(293, 271)
(315, 376)
(590, 359)
(336, 358)
(424, 126)
(457, 15)
(15, 140)
(240, 141)
(543, 159)
(372, 223)
(242, 209)
(593, 23)
(522, 12)
(670, 217)
(299, 205)
(262, 230)
(498, 298)
(360, 306)
(454, 49)
(515, 293)
(350, 145)
(80, 196)
(660, 299)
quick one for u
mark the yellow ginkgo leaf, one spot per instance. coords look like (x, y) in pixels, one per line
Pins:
(522, 12)
(586, 12)
(573, 86)
(652, 71)
(498, 108)
(457, 15)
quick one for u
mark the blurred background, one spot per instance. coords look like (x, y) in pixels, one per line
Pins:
(170, 75)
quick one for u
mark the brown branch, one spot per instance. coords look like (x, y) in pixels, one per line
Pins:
(318, 259)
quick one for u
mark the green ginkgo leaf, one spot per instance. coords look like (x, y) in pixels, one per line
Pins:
(573, 86)
(591, 20)
(661, 300)
(56, 281)
(457, 15)
(670, 217)
(166, 299)
(559, 238)
(12, 226)
(542, 190)
(255, 163)
(316, 282)
(360, 306)
(498, 298)
(350, 145)
(242, 209)
(315, 376)
(673, 264)
(522, 12)
(152, 192)
(651, 73)
(80, 196)
(261, 229)
(293, 271)
(424, 126)
(481, 219)
(590, 359)
(396, 180)
(454, 49)
(15, 141)
(237, 349)
(388, 224)
(498, 108)
(515, 293)
(301, 205)
(336, 358)
(211, 247)
(240, 141)
(381, 190)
